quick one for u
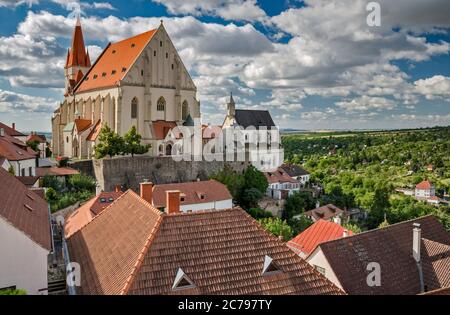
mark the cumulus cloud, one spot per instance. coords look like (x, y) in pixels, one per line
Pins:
(11, 102)
(16, 3)
(245, 10)
(435, 87)
(365, 103)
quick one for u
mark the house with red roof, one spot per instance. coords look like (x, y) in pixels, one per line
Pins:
(133, 248)
(41, 140)
(321, 231)
(140, 81)
(25, 237)
(16, 155)
(281, 185)
(426, 191)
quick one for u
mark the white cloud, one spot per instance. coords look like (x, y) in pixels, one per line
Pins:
(365, 103)
(16, 3)
(246, 10)
(435, 87)
(11, 102)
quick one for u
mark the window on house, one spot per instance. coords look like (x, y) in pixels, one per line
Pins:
(23, 172)
(154, 53)
(95, 76)
(142, 72)
(184, 110)
(134, 108)
(113, 72)
(133, 45)
(30, 171)
(161, 105)
(167, 55)
(172, 66)
(124, 69)
(160, 43)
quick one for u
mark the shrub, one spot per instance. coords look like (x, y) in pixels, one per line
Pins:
(13, 292)
(258, 213)
(81, 182)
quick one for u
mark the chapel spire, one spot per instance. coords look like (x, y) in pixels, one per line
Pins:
(78, 56)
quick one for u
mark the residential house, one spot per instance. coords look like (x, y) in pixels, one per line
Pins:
(88, 211)
(319, 232)
(133, 248)
(41, 140)
(11, 131)
(195, 196)
(281, 185)
(18, 155)
(405, 258)
(25, 237)
(425, 191)
(328, 213)
(298, 173)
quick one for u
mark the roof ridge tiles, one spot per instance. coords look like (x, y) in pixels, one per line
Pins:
(377, 229)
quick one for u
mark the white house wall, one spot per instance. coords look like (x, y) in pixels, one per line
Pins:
(217, 205)
(23, 263)
(317, 258)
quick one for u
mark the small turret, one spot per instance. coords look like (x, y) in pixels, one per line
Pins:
(231, 106)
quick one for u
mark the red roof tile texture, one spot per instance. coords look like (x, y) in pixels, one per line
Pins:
(95, 132)
(194, 192)
(425, 185)
(10, 131)
(162, 128)
(279, 176)
(114, 62)
(326, 212)
(391, 247)
(24, 210)
(132, 248)
(82, 124)
(15, 150)
(321, 231)
(77, 56)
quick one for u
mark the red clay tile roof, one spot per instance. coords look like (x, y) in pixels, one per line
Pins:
(436, 264)
(211, 191)
(28, 181)
(391, 247)
(24, 210)
(35, 137)
(132, 248)
(425, 185)
(93, 135)
(15, 150)
(79, 218)
(321, 231)
(326, 212)
(77, 55)
(55, 171)
(279, 176)
(109, 247)
(103, 200)
(162, 128)
(82, 124)
(114, 62)
(10, 131)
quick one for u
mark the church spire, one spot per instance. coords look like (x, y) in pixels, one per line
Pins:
(78, 56)
(231, 106)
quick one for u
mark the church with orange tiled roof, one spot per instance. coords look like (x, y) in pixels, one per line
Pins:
(140, 81)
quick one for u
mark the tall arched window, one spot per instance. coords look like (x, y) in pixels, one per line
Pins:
(184, 110)
(161, 106)
(134, 108)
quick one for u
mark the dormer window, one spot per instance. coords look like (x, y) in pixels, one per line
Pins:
(29, 208)
(114, 51)
(113, 72)
(269, 266)
(95, 76)
(124, 69)
(133, 45)
(104, 74)
(111, 199)
(182, 281)
(102, 200)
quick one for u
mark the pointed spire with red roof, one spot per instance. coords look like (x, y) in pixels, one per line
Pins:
(78, 56)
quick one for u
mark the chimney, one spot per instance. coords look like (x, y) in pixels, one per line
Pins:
(173, 201)
(147, 191)
(337, 220)
(13, 126)
(345, 234)
(118, 188)
(318, 204)
(417, 240)
(2, 132)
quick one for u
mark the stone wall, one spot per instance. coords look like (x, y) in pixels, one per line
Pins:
(84, 167)
(129, 172)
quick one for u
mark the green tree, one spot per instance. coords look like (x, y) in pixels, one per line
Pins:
(34, 145)
(255, 179)
(258, 213)
(351, 226)
(81, 182)
(13, 292)
(297, 203)
(231, 179)
(299, 224)
(250, 198)
(379, 208)
(110, 143)
(11, 170)
(51, 194)
(132, 143)
(277, 227)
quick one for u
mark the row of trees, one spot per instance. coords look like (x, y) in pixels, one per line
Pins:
(112, 144)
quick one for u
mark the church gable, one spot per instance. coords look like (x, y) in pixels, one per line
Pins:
(160, 64)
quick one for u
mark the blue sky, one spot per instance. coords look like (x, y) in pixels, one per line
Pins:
(315, 64)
